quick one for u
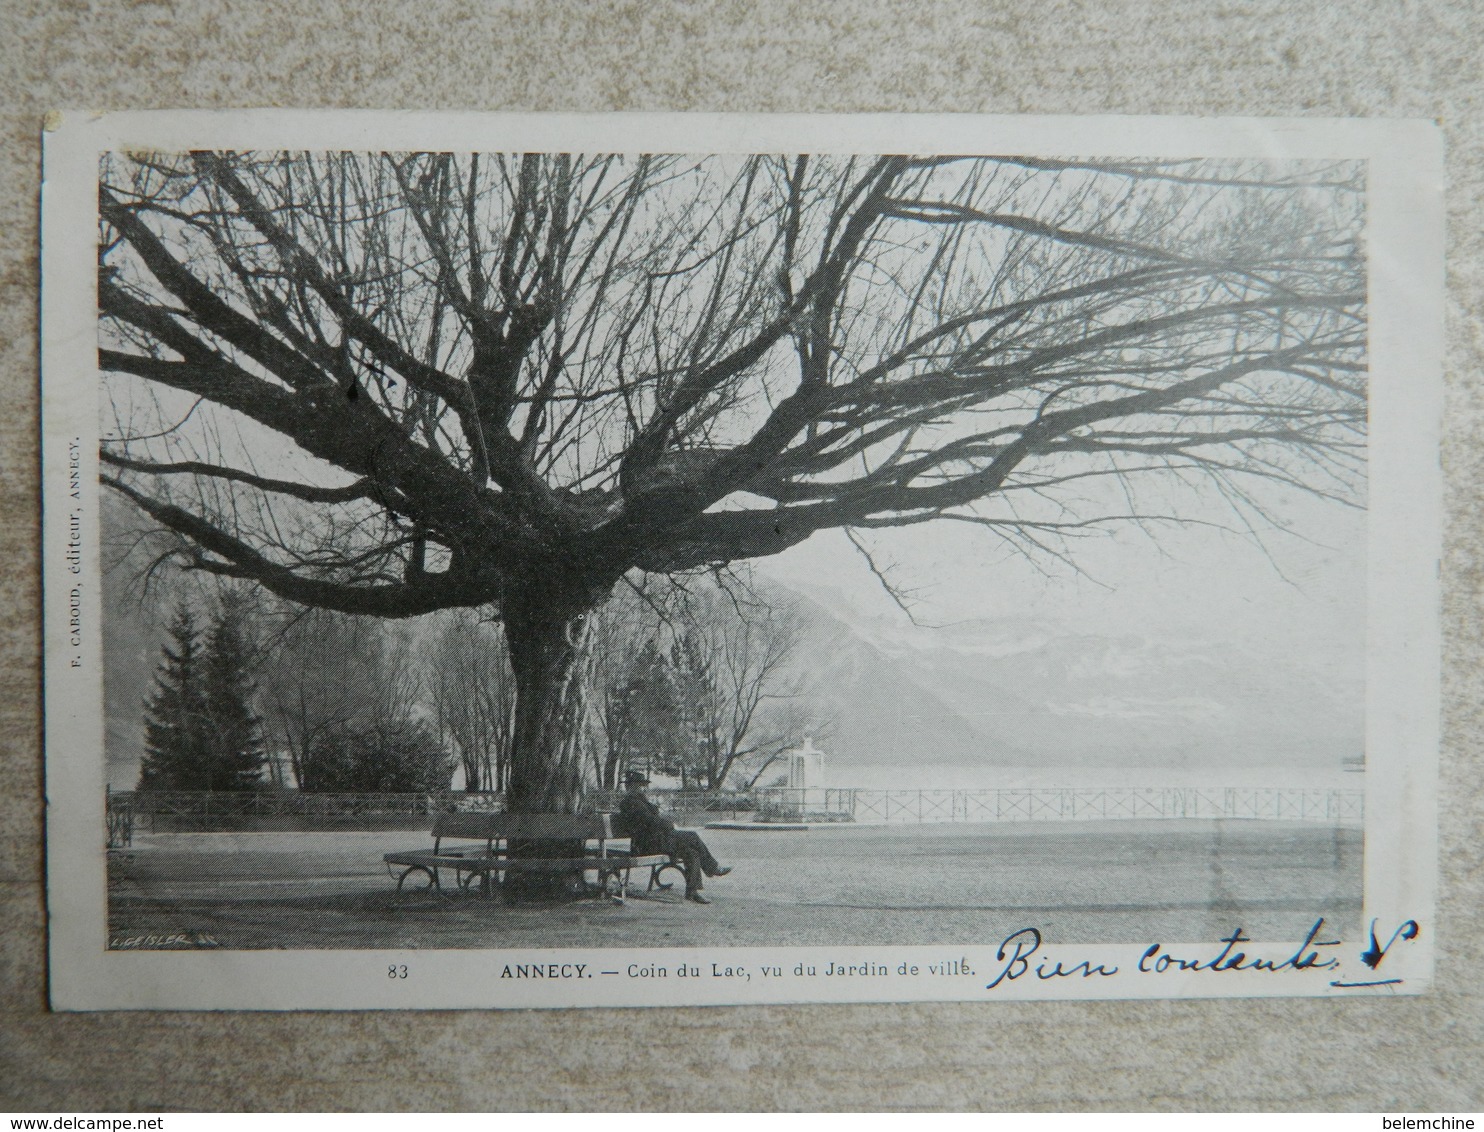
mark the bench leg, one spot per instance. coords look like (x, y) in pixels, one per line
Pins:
(614, 884)
(467, 877)
(431, 874)
(654, 876)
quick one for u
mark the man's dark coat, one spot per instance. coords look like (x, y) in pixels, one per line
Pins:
(649, 830)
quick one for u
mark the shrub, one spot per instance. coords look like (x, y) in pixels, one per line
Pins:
(388, 759)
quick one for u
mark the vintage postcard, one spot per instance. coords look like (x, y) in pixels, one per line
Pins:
(640, 560)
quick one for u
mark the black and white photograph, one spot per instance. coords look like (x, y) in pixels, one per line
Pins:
(540, 561)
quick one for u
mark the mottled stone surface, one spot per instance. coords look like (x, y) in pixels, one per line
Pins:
(1356, 57)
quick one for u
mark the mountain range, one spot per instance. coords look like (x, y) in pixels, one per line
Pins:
(1030, 691)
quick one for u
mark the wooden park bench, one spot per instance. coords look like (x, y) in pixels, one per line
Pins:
(487, 858)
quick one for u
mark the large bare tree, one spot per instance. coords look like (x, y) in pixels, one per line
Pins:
(393, 383)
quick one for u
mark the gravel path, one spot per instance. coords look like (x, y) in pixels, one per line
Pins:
(1115, 881)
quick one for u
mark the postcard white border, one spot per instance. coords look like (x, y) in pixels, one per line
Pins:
(1405, 245)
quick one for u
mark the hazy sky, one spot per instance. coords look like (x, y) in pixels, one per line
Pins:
(1305, 594)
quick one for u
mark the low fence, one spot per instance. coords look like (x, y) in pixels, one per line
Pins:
(1106, 803)
(118, 820)
(184, 811)
(176, 811)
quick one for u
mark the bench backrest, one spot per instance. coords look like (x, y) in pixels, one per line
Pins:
(525, 827)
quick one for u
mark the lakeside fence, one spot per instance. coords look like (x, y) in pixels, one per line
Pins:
(176, 811)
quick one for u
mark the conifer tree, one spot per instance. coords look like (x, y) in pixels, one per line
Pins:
(201, 732)
(235, 739)
(653, 711)
(175, 725)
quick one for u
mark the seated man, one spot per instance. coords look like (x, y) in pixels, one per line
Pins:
(651, 832)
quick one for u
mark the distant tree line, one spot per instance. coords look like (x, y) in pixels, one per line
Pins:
(699, 684)
(698, 680)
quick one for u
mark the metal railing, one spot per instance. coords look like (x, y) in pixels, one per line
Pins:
(118, 820)
(279, 803)
(1109, 803)
(206, 810)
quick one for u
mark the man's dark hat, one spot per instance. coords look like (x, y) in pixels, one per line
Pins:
(631, 777)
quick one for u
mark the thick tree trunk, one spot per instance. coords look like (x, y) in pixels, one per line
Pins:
(550, 656)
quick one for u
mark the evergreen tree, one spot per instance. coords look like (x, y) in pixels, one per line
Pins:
(653, 712)
(175, 723)
(236, 749)
(201, 732)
